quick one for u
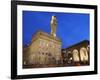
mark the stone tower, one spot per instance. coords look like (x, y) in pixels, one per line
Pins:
(53, 24)
(44, 49)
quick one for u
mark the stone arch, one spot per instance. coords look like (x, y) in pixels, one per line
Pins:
(83, 54)
(76, 55)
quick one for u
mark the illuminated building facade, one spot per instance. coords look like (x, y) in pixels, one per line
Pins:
(45, 51)
(77, 54)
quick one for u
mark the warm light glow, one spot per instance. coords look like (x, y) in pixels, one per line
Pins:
(75, 55)
(83, 54)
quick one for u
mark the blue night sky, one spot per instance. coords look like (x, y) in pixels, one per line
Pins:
(71, 29)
